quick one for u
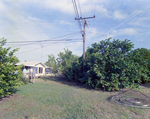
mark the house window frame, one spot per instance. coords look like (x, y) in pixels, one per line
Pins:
(40, 70)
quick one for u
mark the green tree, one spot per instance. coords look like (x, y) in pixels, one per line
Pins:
(65, 61)
(9, 78)
(142, 57)
(52, 63)
(145, 55)
(109, 65)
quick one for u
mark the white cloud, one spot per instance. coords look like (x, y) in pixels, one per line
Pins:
(90, 7)
(65, 22)
(66, 6)
(2, 7)
(119, 15)
(61, 5)
(91, 32)
(93, 35)
(126, 31)
(140, 22)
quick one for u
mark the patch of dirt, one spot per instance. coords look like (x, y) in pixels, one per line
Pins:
(133, 98)
(10, 98)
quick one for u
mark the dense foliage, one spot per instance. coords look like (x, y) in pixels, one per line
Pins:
(144, 55)
(52, 63)
(111, 65)
(65, 60)
(9, 73)
(63, 63)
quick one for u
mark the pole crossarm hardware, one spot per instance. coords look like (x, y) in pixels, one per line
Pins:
(83, 35)
(84, 18)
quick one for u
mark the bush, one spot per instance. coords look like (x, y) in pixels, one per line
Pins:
(24, 80)
(9, 79)
(65, 61)
(110, 65)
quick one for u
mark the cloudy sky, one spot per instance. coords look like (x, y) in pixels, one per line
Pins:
(49, 20)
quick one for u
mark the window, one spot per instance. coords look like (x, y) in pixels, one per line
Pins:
(47, 70)
(40, 70)
(36, 70)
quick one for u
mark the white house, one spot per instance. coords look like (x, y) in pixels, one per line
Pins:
(40, 68)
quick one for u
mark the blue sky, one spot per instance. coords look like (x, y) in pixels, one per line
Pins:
(32, 20)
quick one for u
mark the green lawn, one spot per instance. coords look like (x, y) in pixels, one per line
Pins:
(55, 98)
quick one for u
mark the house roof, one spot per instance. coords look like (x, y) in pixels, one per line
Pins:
(31, 64)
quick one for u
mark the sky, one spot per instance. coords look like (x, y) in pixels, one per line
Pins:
(53, 22)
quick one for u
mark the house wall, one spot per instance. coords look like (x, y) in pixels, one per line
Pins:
(40, 66)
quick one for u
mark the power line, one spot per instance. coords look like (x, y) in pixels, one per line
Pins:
(33, 42)
(75, 8)
(130, 17)
(46, 40)
(53, 52)
(50, 44)
(77, 15)
(79, 8)
(21, 42)
(44, 46)
(42, 42)
(124, 22)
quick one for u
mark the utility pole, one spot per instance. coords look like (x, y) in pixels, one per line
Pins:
(83, 35)
(41, 51)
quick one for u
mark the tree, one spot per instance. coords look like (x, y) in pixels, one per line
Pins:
(65, 61)
(142, 57)
(110, 65)
(145, 55)
(52, 63)
(9, 73)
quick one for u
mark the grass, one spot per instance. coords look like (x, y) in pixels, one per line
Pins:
(56, 98)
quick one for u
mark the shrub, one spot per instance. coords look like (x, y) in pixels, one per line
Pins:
(24, 80)
(110, 65)
(65, 61)
(9, 73)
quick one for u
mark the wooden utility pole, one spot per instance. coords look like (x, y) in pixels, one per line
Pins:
(83, 35)
(41, 51)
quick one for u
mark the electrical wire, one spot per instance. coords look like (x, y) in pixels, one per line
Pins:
(52, 39)
(33, 42)
(50, 44)
(24, 44)
(45, 46)
(130, 17)
(52, 52)
(79, 8)
(77, 15)
(123, 22)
